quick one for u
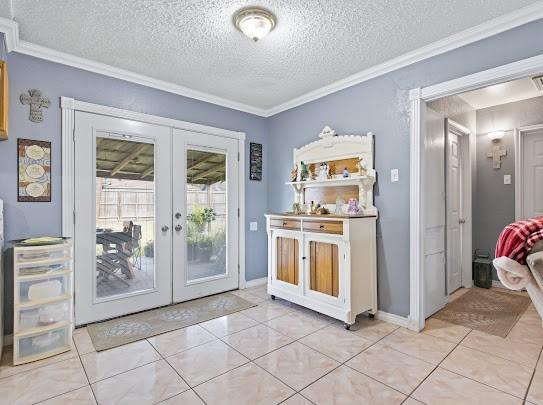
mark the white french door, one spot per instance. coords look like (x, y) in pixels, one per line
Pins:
(156, 216)
(122, 181)
(205, 200)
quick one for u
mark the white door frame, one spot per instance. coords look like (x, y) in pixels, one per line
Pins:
(519, 167)
(70, 105)
(418, 99)
(466, 203)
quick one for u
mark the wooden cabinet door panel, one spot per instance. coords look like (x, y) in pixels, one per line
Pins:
(287, 260)
(324, 267)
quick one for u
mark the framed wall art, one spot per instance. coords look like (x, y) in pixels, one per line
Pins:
(34, 171)
(3, 100)
(255, 161)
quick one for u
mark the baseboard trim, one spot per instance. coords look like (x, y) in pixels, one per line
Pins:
(256, 282)
(391, 318)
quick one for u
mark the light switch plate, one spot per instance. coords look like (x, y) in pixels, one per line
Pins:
(506, 179)
(394, 175)
(253, 226)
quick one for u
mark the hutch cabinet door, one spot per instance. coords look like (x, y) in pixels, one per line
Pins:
(325, 268)
(287, 259)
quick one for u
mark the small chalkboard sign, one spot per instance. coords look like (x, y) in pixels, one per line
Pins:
(255, 162)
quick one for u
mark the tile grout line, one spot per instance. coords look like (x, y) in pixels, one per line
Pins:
(532, 377)
(176, 372)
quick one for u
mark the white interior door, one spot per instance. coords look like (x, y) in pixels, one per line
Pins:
(532, 181)
(122, 217)
(205, 202)
(435, 296)
(454, 212)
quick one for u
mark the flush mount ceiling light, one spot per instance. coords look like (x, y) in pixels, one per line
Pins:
(254, 22)
(496, 136)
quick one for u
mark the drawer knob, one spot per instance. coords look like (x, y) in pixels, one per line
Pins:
(284, 224)
(321, 226)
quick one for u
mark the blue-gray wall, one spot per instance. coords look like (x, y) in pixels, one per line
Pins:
(381, 106)
(491, 192)
(54, 80)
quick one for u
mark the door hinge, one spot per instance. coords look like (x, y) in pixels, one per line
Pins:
(74, 217)
(238, 156)
(238, 212)
(73, 134)
(239, 269)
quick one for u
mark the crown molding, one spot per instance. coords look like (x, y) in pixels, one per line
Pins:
(479, 32)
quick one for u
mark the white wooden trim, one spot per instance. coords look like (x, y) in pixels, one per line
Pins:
(487, 29)
(241, 218)
(511, 71)
(394, 319)
(416, 225)
(52, 55)
(67, 102)
(11, 34)
(68, 166)
(500, 74)
(519, 167)
(255, 283)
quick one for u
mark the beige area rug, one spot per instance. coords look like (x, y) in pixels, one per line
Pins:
(130, 328)
(488, 311)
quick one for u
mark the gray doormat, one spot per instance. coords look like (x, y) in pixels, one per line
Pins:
(130, 328)
(489, 311)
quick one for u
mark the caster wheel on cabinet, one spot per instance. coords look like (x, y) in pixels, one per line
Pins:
(371, 316)
(273, 297)
(347, 326)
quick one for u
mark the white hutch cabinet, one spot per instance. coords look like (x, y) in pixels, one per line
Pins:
(328, 262)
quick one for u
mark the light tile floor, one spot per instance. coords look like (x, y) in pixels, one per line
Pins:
(282, 353)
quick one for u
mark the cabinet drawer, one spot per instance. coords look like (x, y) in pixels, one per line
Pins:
(34, 291)
(324, 226)
(30, 318)
(285, 223)
(40, 345)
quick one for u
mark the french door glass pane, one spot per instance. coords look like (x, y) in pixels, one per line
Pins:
(206, 214)
(125, 216)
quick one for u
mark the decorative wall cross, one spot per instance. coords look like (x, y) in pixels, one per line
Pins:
(496, 154)
(36, 102)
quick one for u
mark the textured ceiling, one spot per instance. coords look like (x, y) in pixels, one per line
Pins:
(194, 44)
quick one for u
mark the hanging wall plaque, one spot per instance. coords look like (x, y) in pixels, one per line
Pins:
(34, 171)
(255, 157)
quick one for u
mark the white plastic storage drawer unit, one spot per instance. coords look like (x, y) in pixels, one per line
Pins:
(43, 301)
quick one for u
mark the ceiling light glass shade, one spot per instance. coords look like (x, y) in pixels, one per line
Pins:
(254, 22)
(495, 136)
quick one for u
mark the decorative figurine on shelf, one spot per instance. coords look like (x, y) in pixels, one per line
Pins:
(362, 167)
(321, 210)
(345, 172)
(327, 132)
(353, 207)
(324, 171)
(304, 172)
(296, 208)
(294, 174)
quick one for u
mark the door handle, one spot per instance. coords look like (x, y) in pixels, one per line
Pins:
(165, 228)
(177, 215)
(178, 228)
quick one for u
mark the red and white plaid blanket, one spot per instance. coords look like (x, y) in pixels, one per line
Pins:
(518, 238)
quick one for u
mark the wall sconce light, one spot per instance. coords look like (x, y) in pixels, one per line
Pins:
(496, 136)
